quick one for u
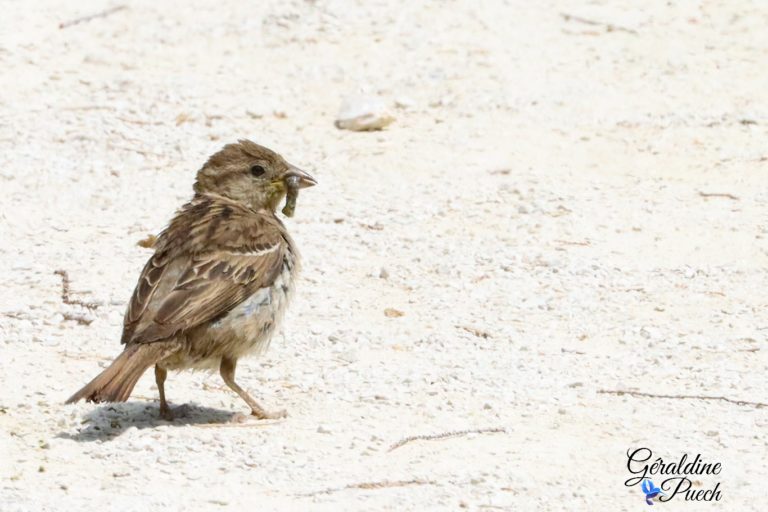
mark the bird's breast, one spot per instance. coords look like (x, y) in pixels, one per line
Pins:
(249, 326)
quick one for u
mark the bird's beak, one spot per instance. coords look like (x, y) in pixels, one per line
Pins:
(305, 180)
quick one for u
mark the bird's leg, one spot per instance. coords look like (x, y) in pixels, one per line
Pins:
(227, 370)
(160, 375)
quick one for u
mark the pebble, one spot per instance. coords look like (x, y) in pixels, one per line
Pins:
(363, 113)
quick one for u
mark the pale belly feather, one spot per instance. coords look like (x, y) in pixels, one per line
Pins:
(246, 329)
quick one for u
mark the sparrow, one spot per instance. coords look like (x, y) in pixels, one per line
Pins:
(219, 281)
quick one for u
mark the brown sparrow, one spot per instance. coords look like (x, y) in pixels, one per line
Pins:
(220, 279)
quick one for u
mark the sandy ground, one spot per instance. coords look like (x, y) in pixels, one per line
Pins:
(538, 212)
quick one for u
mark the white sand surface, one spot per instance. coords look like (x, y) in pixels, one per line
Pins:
(537, 212)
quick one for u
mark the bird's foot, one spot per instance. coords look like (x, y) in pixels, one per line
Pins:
(261, 414)
(165, 412)
(269, 415)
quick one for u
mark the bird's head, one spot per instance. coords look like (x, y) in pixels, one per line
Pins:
(252, 175)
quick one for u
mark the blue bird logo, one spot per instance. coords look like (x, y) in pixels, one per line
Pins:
(650, 490)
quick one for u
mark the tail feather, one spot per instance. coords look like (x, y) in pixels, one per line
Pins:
(116, 382)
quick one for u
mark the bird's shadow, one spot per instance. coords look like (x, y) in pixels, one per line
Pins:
(109, 421)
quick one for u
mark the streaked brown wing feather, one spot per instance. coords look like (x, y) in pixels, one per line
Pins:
(213, 256)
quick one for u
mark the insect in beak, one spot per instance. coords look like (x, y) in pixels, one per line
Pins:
(295, 179)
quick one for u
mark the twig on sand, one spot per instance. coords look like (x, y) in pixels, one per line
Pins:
(83, 19)
(446, 435)
(17, 315)
(65, 293)
(474, 331)
(585, 243)
(718, 194)
(384, 484)
(609, 27)
(140, 121)
(621, 392)
(77, 318)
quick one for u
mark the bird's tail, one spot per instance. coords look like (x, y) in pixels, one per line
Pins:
(116, 382)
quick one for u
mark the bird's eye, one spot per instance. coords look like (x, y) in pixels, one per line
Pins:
(257, 170)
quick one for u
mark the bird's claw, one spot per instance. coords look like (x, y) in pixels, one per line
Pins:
(269, 415)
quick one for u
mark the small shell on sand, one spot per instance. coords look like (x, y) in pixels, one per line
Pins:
(363, 113)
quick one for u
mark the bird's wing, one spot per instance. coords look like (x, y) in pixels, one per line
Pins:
(211, 258)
